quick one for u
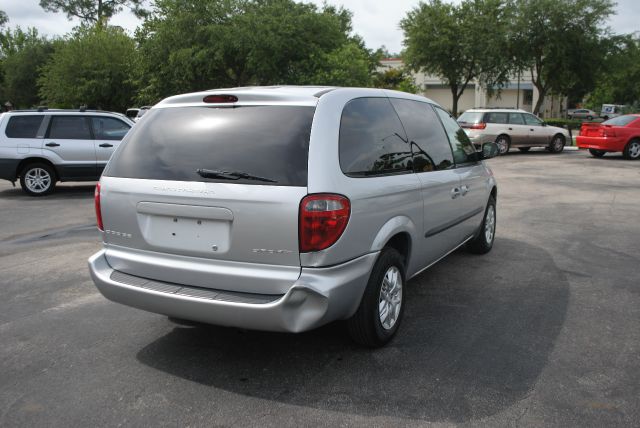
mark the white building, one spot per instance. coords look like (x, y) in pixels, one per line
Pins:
(519, 93)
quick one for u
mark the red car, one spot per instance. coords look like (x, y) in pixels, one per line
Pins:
(620, 134)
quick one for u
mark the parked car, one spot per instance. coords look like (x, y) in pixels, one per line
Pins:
(582, 113)
(132, 113)
(609, 111)
(297, 207)
(620, 134)
(141, 112)
(42, 147)
(512, 128)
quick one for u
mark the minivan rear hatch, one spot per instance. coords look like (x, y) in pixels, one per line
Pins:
(209, 189)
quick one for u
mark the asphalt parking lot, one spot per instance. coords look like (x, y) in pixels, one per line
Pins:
(542, 331)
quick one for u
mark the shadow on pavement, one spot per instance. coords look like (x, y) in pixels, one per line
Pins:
(477, 333)
(62, 191)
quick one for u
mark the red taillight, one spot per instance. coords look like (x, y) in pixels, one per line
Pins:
(608, 132)
(219, 99)
(480, 125)
(323, 218)
(96, 199)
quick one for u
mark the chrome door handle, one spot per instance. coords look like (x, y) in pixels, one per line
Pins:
(464, 190)
(455, 192)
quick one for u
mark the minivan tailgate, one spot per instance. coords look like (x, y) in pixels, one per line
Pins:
(208, 223)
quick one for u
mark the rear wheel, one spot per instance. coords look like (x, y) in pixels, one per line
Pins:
(37, 179)
(524, 149)
(378, 317)
(483, 242)
(597, 153)
(632, 150)
(589, 117)
(504, 143)
(557, 144)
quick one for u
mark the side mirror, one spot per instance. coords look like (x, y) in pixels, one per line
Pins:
(489, 150)
(544, 123)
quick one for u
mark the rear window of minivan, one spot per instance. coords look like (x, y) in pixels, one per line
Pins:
(268, 143)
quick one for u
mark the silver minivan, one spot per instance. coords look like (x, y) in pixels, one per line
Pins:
(285, 208)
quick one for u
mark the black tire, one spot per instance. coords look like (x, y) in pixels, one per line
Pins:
(524, 149)
(482, 244)
(504, 144)
(589, 117)
(632, 150)
(557, 144)
(597, 153)
(365, 326)
(38, 179)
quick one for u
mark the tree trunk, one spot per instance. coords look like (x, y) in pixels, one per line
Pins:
(455, 96)
(541, 94)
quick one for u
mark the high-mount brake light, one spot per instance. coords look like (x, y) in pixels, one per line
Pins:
(323, 219)
(96, 199)
(220, 99)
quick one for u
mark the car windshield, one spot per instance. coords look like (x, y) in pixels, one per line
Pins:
(470, 117)
(620, 120)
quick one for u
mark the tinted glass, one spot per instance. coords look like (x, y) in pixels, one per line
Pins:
(516, 119)
(173, 143)
(69, 128)
(23, 126)
(108, 128)
(372, 140)
(532, 120)
(471, 117)
(429, 143)
(496, 117)
(620, 120)
(463, 150)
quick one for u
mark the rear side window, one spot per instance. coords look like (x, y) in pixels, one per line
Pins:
(69, 128)
(428, 141)
(23, 126)
(265, 142)
(496, 117)
(108, 128)
(473, 117)
(372, 139)
(463, 150)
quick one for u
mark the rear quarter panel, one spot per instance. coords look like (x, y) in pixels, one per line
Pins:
(391, 204)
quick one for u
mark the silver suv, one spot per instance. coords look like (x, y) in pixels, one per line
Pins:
(42, 147)
(285, 208)
(512, 128)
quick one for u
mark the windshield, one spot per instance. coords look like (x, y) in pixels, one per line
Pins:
(248, 145)
(620, 120)
(470, 117)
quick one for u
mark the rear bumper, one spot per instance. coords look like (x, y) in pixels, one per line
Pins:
(319, 296)
(600, 143)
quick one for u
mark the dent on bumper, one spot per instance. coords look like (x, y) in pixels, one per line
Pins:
(319, 296)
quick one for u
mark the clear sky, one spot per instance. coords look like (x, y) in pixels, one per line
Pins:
(375, 20)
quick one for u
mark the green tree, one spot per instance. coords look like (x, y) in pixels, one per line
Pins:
(3, 18)
(189, 45)
(617, 82)
(398, 79)
(91, 67)
(92, 11)
(459, 43)
(561, 43)
(22, 53)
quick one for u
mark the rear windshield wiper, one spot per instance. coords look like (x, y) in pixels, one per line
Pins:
(231, 175)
